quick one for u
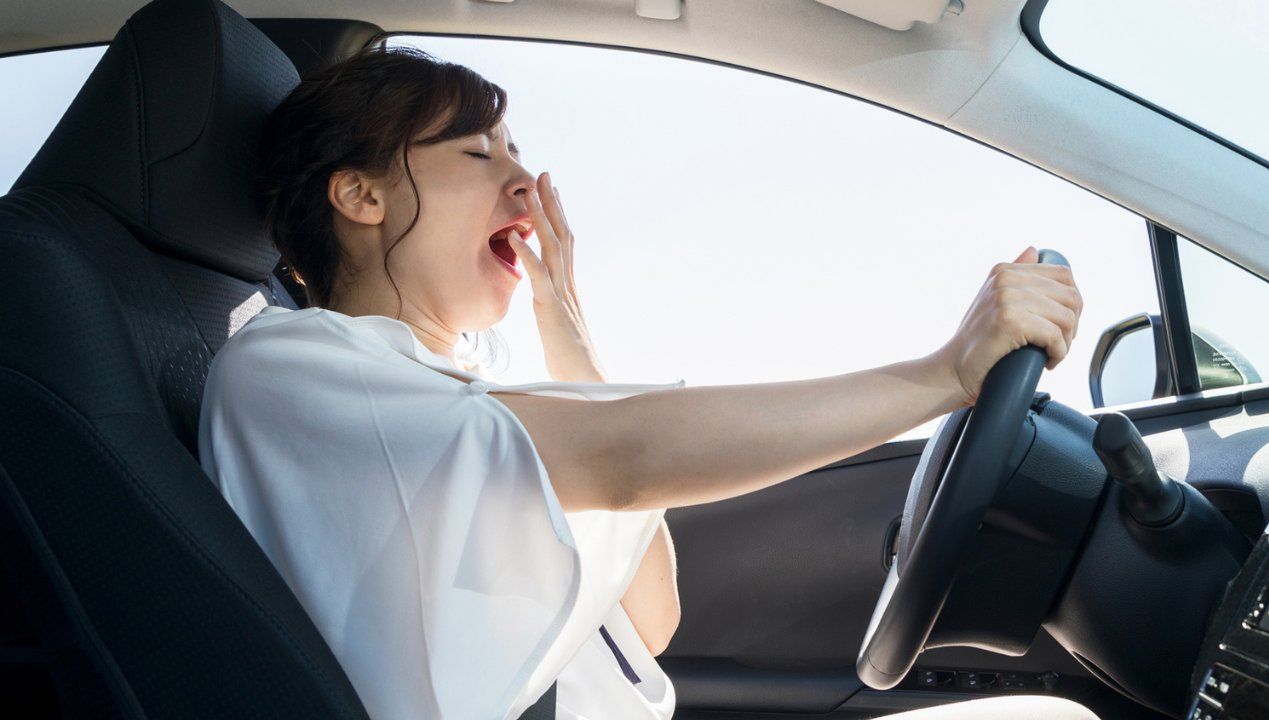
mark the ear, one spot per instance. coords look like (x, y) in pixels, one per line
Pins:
(356, 196)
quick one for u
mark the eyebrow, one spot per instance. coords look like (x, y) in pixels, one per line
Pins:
(511, 147)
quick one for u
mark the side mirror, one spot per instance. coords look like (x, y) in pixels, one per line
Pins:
(1130, 362)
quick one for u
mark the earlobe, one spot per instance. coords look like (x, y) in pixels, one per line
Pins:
(355, 196)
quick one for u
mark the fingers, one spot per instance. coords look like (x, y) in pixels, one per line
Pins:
(566, 236)
(554, 210)
(1037, 304)
(568, 254)
(547, 230)
(1067, 296)
(539, 277)
(1042, 333)
(1036, 319)
(1060, 273)
(1054, 281)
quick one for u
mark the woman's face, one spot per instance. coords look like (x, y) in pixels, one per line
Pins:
(469, 188)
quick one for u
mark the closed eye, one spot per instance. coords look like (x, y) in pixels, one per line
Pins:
(480, 155)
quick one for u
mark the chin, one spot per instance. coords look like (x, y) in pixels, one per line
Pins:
(492, 316)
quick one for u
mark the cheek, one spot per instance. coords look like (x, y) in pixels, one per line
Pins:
(443, 254)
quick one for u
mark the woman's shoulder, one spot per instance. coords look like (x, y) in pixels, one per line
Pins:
(283, 347)
(274, 322)
(298, 335)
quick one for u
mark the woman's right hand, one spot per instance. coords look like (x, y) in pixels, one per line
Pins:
(1021, 303)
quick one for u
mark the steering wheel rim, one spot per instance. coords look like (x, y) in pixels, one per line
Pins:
(979, 440)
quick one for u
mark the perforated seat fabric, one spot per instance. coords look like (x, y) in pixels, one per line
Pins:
(133, 248)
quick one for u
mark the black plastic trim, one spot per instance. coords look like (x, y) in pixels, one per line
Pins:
(722, 684)
(1031, 13)
(55, 48)
(1229, 397)
(1176, 318)
(896, 701)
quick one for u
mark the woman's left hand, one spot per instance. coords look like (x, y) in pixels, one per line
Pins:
(570, 354)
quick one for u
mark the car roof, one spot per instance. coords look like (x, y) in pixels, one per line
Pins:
(977, 73)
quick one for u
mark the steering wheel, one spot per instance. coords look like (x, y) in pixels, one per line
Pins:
(960, 471)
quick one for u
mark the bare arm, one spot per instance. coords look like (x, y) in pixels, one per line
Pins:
(652, 600)
(699, 444)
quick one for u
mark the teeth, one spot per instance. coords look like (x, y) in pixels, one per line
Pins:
(503, 233)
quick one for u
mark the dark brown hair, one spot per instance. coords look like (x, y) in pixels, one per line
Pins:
(362, 113)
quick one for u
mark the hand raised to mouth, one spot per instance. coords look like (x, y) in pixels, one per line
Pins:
(570, 354)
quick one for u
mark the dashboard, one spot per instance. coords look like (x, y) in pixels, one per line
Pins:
(1231, 678)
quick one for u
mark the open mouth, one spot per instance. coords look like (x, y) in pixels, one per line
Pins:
(502, 249)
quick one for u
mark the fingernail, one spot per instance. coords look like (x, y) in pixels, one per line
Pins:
(548, 177)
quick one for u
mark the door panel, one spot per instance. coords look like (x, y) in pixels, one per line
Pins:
(777, 587)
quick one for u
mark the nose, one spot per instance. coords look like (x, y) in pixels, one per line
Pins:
(521, 182)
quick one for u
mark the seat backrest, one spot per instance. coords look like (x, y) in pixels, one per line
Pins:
(133, 249)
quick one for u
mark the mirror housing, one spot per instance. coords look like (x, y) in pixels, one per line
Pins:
(1219, 364)
(1141, 327)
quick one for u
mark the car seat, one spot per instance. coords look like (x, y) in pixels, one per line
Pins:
(133, 249)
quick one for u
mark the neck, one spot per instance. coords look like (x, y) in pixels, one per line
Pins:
(362, 287)
(431, 332)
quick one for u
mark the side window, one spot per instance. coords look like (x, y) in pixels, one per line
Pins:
(37, 89)
(1225, 304)
(734, 227)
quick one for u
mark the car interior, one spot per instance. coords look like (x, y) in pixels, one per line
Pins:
(1117, 559)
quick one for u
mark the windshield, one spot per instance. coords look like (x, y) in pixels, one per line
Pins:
(1205, 62)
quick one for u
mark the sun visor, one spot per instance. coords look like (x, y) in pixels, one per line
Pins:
(897, 14)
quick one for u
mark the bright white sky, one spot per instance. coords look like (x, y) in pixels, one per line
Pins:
(737, 228)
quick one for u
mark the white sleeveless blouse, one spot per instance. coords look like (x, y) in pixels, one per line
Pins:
(412, 516)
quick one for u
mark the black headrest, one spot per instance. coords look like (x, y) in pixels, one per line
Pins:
(164, 133)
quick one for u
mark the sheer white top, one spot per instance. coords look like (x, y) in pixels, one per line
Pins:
(412, 516)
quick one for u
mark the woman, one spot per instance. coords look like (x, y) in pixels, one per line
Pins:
(461, 544)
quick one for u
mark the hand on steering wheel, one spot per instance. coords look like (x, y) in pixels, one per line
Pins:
(1020, 303)
(962, 467)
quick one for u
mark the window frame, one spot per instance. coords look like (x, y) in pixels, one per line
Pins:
(1031, 13)
(1165, 253)
(54, 48)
